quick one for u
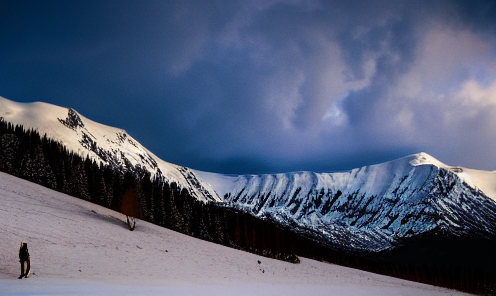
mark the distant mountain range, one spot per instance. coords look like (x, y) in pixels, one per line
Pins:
(373, 209)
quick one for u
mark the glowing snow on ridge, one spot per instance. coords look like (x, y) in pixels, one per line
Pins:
(483, 180)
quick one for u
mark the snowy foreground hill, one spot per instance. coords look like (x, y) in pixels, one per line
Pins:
(79, 248)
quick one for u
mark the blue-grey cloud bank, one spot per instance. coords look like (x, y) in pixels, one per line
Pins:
(266, 86)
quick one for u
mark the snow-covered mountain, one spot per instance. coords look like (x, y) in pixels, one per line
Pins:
(372, 208)
(109, 145)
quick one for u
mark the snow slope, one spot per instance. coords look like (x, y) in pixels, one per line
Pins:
(370, 208)
(79, 248)
(102, 143)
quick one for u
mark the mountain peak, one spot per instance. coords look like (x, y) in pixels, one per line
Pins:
(423, 158)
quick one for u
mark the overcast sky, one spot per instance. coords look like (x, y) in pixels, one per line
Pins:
(266, 86)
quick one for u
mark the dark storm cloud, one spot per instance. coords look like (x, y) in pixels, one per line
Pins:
(265, 86)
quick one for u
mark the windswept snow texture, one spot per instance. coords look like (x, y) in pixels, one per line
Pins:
(109, 145)
(79, 248)
(371, 208)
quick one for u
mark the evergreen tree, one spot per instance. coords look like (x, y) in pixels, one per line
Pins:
(8, 146)
(79, 179)
(108, 193)
(158, 202)
(40, 169)
(27, 171)
(50, 180)
(117, 189)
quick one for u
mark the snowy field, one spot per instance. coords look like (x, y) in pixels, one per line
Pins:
(78, 248)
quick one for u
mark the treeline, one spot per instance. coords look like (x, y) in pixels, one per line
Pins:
(460, 263)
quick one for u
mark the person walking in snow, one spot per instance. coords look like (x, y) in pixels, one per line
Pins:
(24, 259)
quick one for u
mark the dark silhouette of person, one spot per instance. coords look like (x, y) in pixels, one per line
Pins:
(24, 259)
